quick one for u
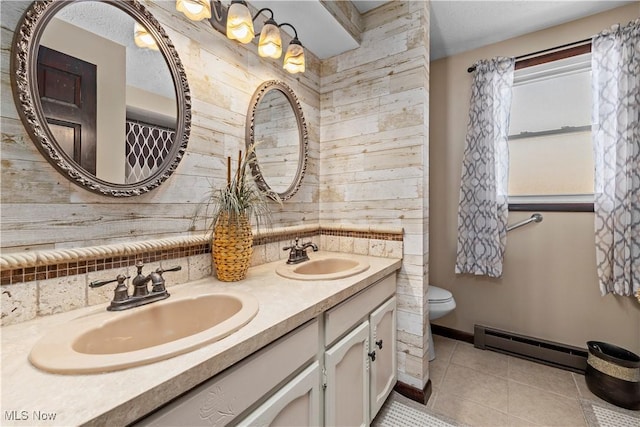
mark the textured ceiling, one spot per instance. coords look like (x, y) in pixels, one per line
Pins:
(456, 26)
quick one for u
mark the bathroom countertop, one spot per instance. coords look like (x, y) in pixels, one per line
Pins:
(33, 397)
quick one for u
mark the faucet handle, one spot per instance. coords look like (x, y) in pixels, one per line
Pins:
(294, 246)
(120, 278)
(176, 268)
(157, 281)
(120, 293)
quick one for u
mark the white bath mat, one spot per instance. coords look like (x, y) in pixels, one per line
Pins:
(400, 412)
(599, 415)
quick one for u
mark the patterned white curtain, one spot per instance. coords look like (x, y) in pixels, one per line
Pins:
(616, 141)
(483, 208)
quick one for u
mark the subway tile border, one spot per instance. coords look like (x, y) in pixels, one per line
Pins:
(32, 266)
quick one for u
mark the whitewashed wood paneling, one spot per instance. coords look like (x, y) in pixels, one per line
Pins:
(41, 207)
(374, 133)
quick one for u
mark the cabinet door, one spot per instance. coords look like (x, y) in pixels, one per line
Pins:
(383, 343)
(347, 389)
(295, 404)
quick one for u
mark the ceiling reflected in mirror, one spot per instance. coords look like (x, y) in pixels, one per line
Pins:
(110, 112)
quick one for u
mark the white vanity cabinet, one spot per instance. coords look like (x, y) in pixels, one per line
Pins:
(335, 370)
(360, 368)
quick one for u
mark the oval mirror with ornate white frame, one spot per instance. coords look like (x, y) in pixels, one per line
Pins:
(129, 133)
(276, 135)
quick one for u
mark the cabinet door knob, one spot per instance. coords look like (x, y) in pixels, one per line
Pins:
(372, 355)
(379, 344)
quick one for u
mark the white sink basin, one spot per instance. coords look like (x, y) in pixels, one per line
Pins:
(329, 268)
(109, 341)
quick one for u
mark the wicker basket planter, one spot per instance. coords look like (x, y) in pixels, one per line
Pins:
(232, 247)
(230, 212)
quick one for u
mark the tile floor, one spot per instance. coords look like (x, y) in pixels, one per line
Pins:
(484, 388)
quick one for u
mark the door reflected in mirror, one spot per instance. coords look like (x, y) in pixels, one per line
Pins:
(107, 92)
(117, 124)
(277, 131)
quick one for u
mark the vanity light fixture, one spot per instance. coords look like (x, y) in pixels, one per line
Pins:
(237, 24)
(142, 38)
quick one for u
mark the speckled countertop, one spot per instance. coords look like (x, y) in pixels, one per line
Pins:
(121, 397)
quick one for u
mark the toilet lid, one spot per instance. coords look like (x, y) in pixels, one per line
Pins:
(436, 294)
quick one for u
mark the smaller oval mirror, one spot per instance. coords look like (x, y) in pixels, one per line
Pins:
(277, 138)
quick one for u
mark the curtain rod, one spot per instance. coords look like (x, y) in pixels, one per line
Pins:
(540, 52)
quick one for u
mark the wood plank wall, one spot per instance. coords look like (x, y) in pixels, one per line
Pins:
(41, 209)
(374, 154)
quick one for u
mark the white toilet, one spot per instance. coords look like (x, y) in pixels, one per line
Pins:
(441, 302)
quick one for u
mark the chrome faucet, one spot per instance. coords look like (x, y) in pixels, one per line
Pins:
(141, 294)
(298, 253)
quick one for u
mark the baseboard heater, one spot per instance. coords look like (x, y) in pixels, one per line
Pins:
(549, 353)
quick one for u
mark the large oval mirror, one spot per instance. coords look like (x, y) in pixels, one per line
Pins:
(102, 92)
(277, 137)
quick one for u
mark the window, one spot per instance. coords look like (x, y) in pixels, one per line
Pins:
(550, 150)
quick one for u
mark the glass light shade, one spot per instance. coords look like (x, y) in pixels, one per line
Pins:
(294, 58)
(142, 38)
(239, 23)
(196, 10)
(270, 45)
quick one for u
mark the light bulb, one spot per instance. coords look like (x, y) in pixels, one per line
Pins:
(239, 22)
(196, 10)
(142, 38)
(294, 58)
(270, 45)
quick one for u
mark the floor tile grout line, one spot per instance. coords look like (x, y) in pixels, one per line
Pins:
(475, 402)
(509, 397)
(584, 414)
(529, 422)
(573, 377)
(434, 396)
(577, 396)
(447, 363)
(480, 371)
(575, 381)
